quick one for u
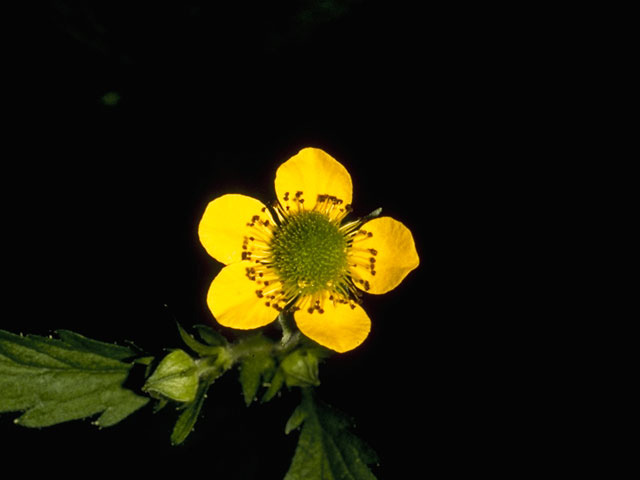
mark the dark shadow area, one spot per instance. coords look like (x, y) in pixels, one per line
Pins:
(134, 116)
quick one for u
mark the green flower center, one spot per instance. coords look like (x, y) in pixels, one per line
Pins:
(309, 252)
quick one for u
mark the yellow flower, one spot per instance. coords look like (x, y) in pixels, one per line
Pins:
(302, 257)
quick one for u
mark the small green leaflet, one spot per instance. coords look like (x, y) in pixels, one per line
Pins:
(186, 380)
(211, 336)
(54, 380)
(255, 371)
(196, 346)
(326, 449)
(257, 368)
(189, 416)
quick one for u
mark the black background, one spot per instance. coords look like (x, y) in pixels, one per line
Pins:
(101, 205)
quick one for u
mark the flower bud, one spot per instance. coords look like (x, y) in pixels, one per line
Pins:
(176, 378)
(300, 369)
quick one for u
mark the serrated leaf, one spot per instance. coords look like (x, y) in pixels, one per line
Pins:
(82, 343)
(326, 449)
(56, 380)
(254, 369)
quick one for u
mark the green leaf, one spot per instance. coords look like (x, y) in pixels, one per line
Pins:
(298, 416)
(210, 336)
(327, 450)
(189, 416)
(196, 346)
(254, 370)
(274, 386)
(57, 380)
(256, 362)
(79, 342)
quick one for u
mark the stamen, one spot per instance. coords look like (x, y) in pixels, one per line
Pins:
(281, 212)
(331, 206)
(299, 200)
(313, 303)
(362, 258)
(307, 257)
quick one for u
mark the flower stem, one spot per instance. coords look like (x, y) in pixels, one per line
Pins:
(290, 332)
(249, 346)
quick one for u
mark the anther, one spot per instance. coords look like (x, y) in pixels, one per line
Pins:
(373, 251)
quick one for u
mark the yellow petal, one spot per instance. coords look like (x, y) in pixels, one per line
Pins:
(225, 225)
(233, 300)
(341, 327)
(385, 253)
(313, 172)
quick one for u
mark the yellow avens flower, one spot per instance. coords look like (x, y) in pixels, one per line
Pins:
(302, 256)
